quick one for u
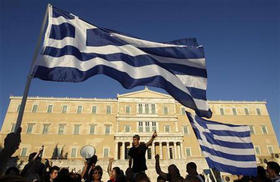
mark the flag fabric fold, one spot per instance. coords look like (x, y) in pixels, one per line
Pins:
(74, 50)
(227, 148)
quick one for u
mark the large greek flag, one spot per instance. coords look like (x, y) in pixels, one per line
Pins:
(74, 50)
(226, 147)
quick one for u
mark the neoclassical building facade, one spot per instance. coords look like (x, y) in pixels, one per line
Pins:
(65, 125)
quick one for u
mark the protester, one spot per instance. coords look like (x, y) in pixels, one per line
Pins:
(89, 165)
(261, 175)
(53, 173)
(193, 175)
(12, 171)
(129, 175)
(34, 170)
(137, 154)
(115, 174)
(173, 174)
(273, 170)
(96, 174)
(142, 177)
(11, 144)
(160, 179)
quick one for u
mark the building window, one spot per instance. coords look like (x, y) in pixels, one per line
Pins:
(165, 110)
(252, 131)
(147, 126)
(108, 109)
(167, 129)
(106, 152)
(93, 110)
(183, 111)
(153, 108)
(188, 152)
(64, 109)
(146, 108)
(34, 108)
(234, 111)
(154, 126)
(13, 127)
(258, 111)
(246, 110)
(74, 152)
(23, 152)
(18, 108)
(257, 150)
(222, 111)
(107, 129)
(127, 109)
(270, 149)
(140, 108)
(76, 129)
(186, 130)
(45, 129)
(140, 126)
(29, 128)
(61, 129)
(264, 129)
(50, 107)
(79, 109)
(127, 128)
(92, 129)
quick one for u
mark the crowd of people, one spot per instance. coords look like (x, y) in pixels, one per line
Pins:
(37, 171)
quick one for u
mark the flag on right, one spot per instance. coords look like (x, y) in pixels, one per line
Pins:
(227, 148)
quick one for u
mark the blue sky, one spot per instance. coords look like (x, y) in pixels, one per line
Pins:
(241, 40)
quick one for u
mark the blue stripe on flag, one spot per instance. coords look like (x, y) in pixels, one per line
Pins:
(235, 157)
(197, 93)
(231, 169)
(176, 52)
(62, 74)
(214, 141)
(61, 31)
(136, 61)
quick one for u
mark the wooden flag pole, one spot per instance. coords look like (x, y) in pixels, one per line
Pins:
(30, 76)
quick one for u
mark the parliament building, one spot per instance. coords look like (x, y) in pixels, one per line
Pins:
(65, 125)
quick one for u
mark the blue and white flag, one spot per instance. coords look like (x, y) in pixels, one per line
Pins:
(74, 50)
(227, 148)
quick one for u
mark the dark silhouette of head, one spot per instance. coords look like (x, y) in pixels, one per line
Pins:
(191, 168)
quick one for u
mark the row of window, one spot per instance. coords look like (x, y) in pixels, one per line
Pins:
(246, 111)
(263, 129)
(65, 109)
(269, 149)
(141, 108)
(143, 126)
(61, 129)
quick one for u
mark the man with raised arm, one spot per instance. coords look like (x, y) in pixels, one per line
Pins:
(137, 154)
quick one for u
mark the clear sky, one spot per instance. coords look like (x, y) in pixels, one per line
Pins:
(241, 40)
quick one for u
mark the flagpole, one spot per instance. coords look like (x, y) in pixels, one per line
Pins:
(215, 179)
(30, 76)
